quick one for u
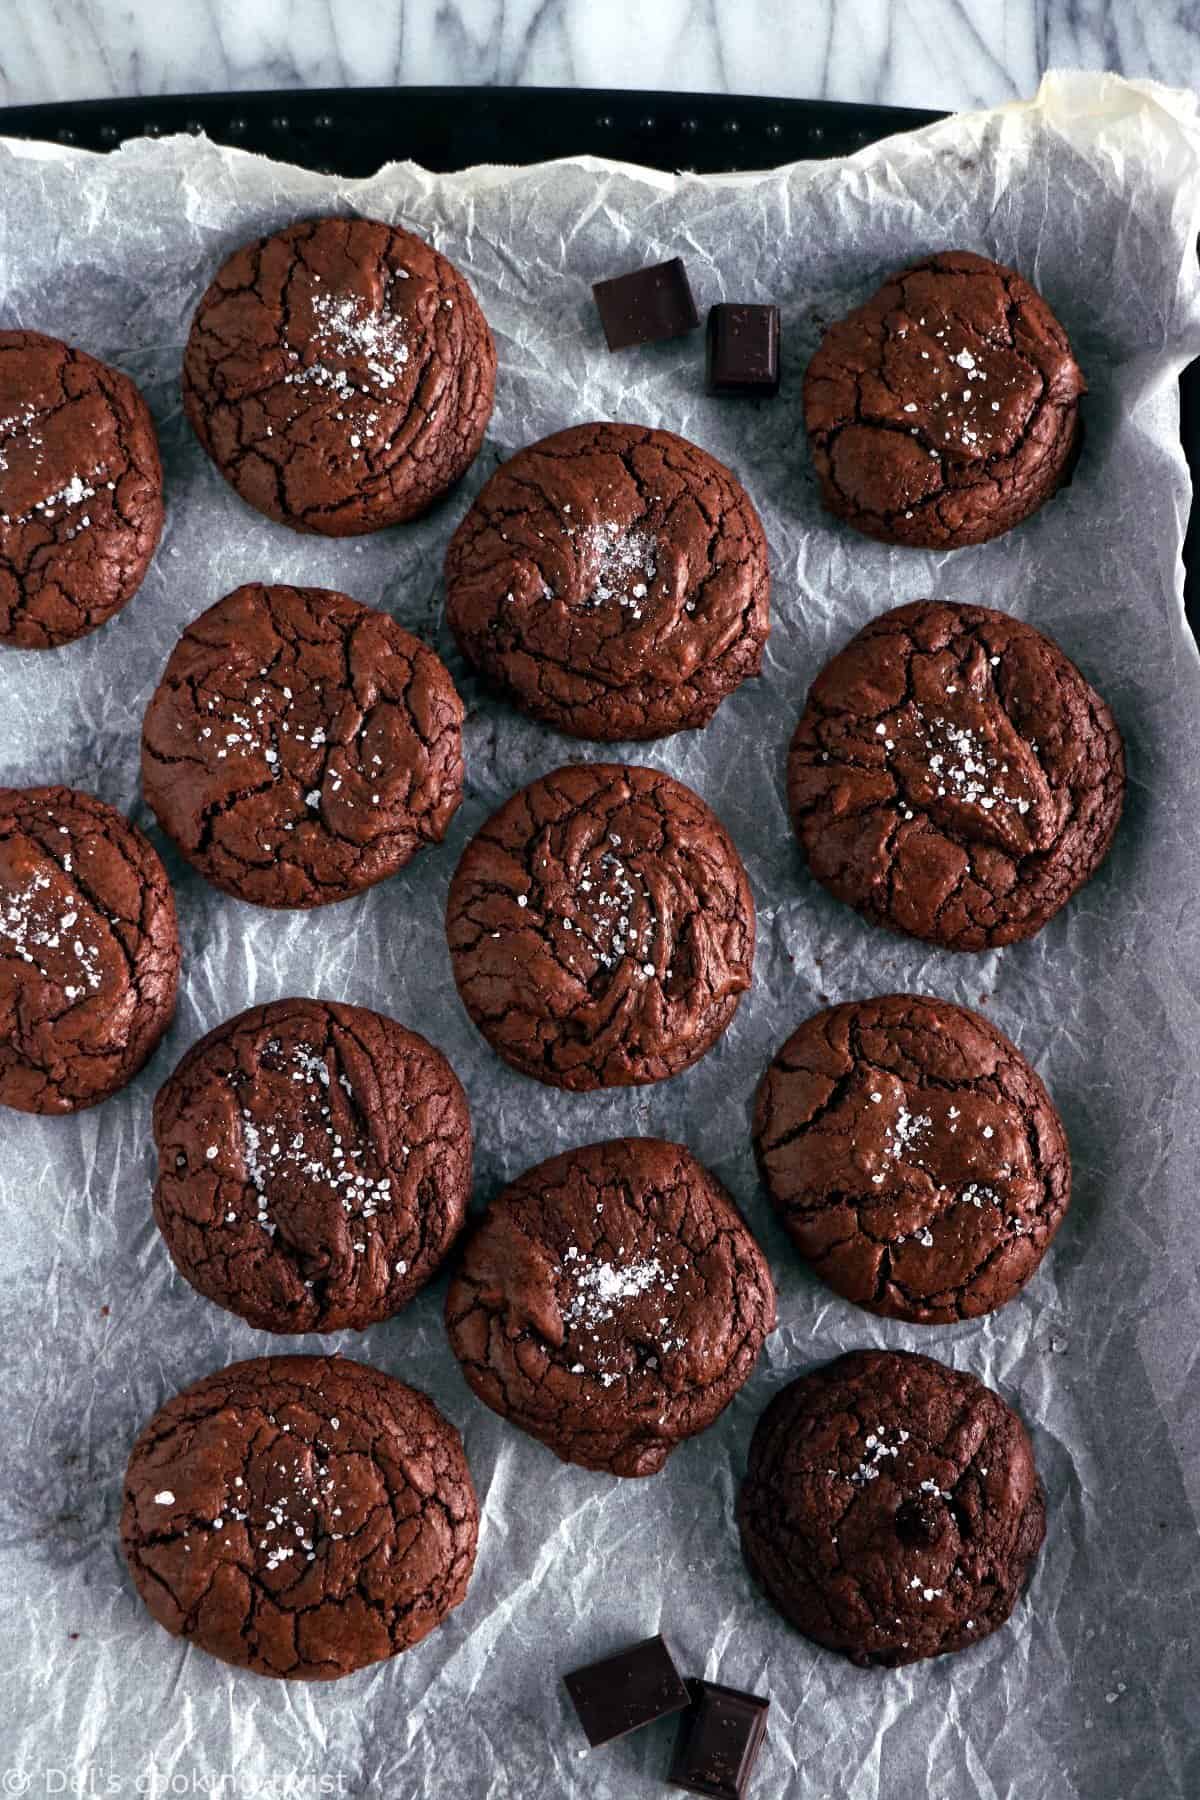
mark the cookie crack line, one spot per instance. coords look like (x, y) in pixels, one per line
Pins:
(928, 1550)
(89, 939)
(300, 747)
(954, 777)
(269, 1200)
(944, 410)
(81, 507)
(680, 618)
(913, 1156)
(610, 1303)
(865, 756)
(300, 1516)
(340, 374)
(601, 927)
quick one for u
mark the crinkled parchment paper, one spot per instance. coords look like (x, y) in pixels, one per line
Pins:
(1093, 190)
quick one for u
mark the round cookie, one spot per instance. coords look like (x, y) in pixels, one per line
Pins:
(954, 777)
(891, 1508)
(612, 580)
(340, 374)
(81, 493)
(301, 747)
(89, 950)
(299, 1516)
(601, 927)
(611, 1303)
(913, 1156)
(314, 1165)
(946, 408)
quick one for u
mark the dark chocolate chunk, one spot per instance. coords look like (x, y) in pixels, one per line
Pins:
(742, 350)
(720, 1736)
(626, 1691)
(646, 306)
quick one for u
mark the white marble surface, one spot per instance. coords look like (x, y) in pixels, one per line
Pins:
(944, 53)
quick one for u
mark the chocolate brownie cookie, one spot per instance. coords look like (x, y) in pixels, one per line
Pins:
(601, 927)
(954, 777)
(301, 747)
(914, 1157)
(891, 1509)
(340, 375)
(299, 1516)
(613, 581)
(314, 1165)
(81, 498)
(611, 1303)
(89, 950)
(945, 409)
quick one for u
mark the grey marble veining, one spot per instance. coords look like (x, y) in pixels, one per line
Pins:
(944, 53)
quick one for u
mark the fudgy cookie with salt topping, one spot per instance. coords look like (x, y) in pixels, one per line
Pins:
(891, 1508)
(89, 950)
(299, 1516)
(611, 1303)
(946, 408)
(954, 776)
(612, 580)
(601, 927)
(913, 1156)
(81, 493)
(301, 747)
(314, 1165)
(340, 374)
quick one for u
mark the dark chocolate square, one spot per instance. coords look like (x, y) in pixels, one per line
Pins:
(742, 350)
(646, 306)
(626, 1691)
(720, 1736)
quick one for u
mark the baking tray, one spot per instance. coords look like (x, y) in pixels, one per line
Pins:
(352, 131)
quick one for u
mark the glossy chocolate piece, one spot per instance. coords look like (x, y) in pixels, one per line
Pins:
(626, 1691)
(720, 1736)
(742, 350)
(646, 306)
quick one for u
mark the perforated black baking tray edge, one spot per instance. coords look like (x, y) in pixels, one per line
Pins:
(351, 131)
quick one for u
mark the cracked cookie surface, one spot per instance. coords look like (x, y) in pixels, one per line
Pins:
(340, 375)
(913, 1156)
(314, 1165)
(301, 747)
(89, 950)
(81, 495)
(601, 927)
(954, 777)
(891, 1509)
(612, 581)
(299, 1516)
(611, 1303)
(945, 409)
